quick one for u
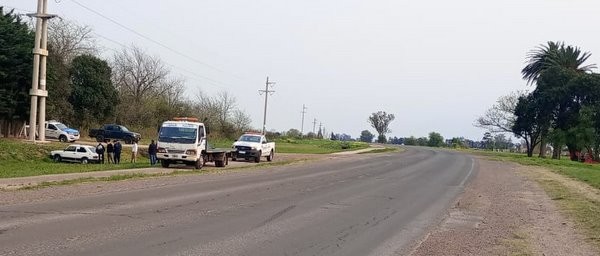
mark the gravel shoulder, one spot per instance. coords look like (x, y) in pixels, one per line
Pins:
(504, 211)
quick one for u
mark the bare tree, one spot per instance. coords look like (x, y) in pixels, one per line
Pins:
(240, 120)
(68, 39)
(500, 117)
(138, 75)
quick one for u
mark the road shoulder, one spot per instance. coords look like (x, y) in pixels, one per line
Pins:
(504, 211)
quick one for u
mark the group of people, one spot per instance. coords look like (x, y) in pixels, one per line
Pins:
(113, 151)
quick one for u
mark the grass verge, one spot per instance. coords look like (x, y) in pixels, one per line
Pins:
(317, 146)
(583, 209)
(23, 159)
(382, 150)
(588, 173)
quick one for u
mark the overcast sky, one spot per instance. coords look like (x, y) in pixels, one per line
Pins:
(436, 64)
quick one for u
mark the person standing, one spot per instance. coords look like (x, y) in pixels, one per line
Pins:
(100, 152)
(152, 150)
(110, 152)
(117, 149)
(134, 151)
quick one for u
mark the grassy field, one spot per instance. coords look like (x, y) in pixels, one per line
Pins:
(21, 159)
(588, 173)
(317, 146)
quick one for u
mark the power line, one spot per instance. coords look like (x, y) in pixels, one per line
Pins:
(148, 38)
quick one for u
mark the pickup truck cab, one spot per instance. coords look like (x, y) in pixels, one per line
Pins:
(253, 146)
(115, 131)
(59, 131)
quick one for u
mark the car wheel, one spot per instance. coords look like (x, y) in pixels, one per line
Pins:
(57, 158)
(270, 156)
(62, 138)
(84, 160)
(164, 163)
(128, 140)
(257, 158)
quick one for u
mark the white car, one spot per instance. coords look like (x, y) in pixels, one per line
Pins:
(59, 131)
(253, 146)
(76, 153)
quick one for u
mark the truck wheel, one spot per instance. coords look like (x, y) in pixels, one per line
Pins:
(257, 158)
(57, 158)
(219, 163)
(128, 140)
(270, 156)
(62, 138)
(199, 163)
(100, 138)
(164, 163)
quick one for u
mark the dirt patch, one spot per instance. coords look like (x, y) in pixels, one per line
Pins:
(503, 212)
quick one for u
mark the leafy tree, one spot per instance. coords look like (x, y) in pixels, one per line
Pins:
(293, 133)
(527, 125)
(410, 141)
(380, 121)
(366, 136)
(422, 141)
(94, 97)
(435, 140)
(457, 142)
(16, 42)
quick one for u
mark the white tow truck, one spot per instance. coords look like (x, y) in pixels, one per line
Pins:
(183, 140)
(253, 146)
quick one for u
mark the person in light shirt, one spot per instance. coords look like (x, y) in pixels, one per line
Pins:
(134, 150)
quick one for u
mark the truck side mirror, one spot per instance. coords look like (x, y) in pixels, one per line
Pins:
(264, 142)
(207, 128)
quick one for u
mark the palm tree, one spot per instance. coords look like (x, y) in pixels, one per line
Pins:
(552, 55)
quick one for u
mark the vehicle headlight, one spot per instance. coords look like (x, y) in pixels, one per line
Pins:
(190, 152)
(161, 150)
(71, 132)
(254, 148)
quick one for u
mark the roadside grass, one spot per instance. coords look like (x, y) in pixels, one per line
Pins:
(588, 173)
(22, 159)
(121, 177)
(382, 150)
(317, 146)
(585, 211)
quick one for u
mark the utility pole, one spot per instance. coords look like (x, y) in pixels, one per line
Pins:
(38, 81)
(320, 131)
(266, 91)
(303, 112)
(314, 126)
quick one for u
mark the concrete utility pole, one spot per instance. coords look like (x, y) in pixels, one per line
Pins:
(303, 112)
(38, 81)
(314, 126)
(266, 91)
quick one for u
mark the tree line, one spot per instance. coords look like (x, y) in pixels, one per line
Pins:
(561, 112)
(132, 87)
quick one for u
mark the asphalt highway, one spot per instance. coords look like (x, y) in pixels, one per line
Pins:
(371, 204)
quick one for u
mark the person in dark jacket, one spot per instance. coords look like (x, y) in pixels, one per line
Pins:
(100, 152)
(110, 152)
(117, 149)
(152, 150)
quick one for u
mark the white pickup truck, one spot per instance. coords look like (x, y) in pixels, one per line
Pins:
(253, 146)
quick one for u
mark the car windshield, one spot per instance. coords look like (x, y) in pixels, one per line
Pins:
(250, 138)
(61, 127)
(123, 128)
(185, 135)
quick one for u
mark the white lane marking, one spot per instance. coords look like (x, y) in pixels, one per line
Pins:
(462, 183)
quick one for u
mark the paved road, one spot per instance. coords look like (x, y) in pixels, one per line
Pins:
(352, 205)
